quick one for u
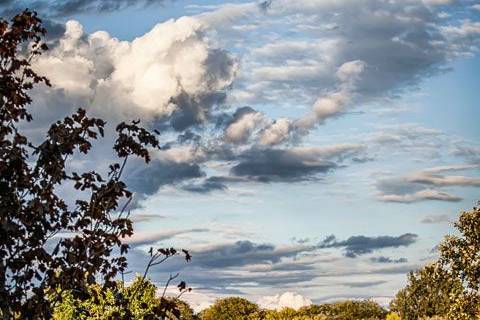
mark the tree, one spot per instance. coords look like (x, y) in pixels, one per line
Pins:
(141, 302)
(450, 287)
(392, 316)
(234, 308)
(39, 268)
(428, 293)
(346, 310)
(461, 254)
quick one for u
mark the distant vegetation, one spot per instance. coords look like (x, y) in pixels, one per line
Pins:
(78, 277)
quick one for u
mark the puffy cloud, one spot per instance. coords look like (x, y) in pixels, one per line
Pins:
(336, 102)
(276, 133)
(358, 245)
(243, 125)
(170, 70)
(285, 300)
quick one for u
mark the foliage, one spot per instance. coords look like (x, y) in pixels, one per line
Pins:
(38, 267)
(392, 316)
(346, 310)
(229, 309)
(428, 293)
(461, 254)
(450, 287)
(139, 301)
(238, 308)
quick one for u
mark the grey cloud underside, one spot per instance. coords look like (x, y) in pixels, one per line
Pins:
(242, 253)
(365, 284)
(428, 184)
(247, 264)
(382, 259)
(359, 245)
(400, 44)
(148, 179)
(51, 11)
(268, 165)
(62, 8)
(278, 165)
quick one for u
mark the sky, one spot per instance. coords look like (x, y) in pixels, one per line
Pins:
(312, 150)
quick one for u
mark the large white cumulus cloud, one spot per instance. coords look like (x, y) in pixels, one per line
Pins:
(142, 77)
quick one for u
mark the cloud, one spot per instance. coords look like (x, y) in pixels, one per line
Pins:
(276, 133)
(439, 218)
(291, 300)
(382, 259)
(245, 121)
(148, 179)
(365, 284)
(359, 245)
(242, 253)
(293, 164)
(172, 72)
(421, 185)
(400, 44)
(152, 237)
(425, 194)
(145, 217)
(71, 7)
(207, 186)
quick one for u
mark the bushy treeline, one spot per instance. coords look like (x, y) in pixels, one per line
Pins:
(242, 309)
(104, 305)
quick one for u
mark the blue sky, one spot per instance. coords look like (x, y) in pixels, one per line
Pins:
(283, 122)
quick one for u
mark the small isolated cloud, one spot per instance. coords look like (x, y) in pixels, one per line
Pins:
(359, 245)
(439, 218)
(285, 300)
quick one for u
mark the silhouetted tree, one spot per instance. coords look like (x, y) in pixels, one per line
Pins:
(48, 247)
